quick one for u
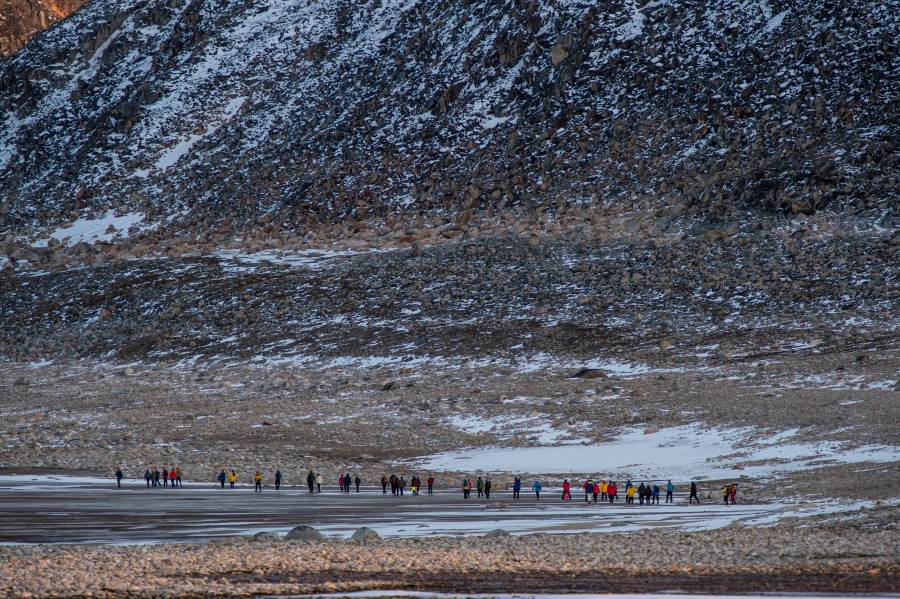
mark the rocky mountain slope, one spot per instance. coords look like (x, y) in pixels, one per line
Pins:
(544, 176)
(21, 20)
(273, 118)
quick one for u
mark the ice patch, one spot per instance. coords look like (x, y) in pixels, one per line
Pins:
(185, 146)
(535, 429)
(635, 26)
(493, 122)
(682, 452)
(308, 259)
(775, 22)
(106, 228)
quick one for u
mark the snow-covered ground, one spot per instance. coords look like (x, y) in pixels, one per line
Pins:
(236, 260)
(88, 230)
(680, 453)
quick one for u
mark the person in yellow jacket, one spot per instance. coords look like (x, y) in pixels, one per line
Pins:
(603, 487)
(258, 480)
(629, 494)
(232, 478)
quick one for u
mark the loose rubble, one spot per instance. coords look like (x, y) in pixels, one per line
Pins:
(849, 558)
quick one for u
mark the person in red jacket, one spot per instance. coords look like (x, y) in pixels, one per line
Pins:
(612, 490)
(566, 488)
(430, 484)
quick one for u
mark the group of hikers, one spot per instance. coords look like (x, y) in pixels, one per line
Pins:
(729, 492)
(155, 478)
(398, 485)
(231, 478)
(606, 491)
(483, 486)
(609, 491)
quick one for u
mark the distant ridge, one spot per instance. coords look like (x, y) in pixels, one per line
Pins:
(277, 116)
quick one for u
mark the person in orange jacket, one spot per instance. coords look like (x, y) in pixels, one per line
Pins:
(567, 487)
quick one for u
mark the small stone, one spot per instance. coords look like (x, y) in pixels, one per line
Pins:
(589, 373)
(558, 53)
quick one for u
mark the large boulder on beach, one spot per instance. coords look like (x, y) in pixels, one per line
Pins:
(304, 533)
(265, 537)
(365, 534)
(497, 532)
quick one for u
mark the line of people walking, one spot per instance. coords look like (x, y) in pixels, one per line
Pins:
(602, 491)
(605, 491)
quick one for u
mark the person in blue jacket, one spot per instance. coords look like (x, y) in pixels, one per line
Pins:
(537, 489)
(669, 489)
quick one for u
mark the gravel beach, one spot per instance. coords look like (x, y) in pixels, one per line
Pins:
(860, 556)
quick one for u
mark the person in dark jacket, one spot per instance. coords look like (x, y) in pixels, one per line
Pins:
(641, 490)
(311, 481)
(517, 486)
(357, 481)
(221, 478)
(693, 494)
(277, 480)
(119, 476)
(384, 484)
(487, 488)
(148, 477)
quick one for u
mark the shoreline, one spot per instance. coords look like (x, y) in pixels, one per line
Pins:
(735, 561)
